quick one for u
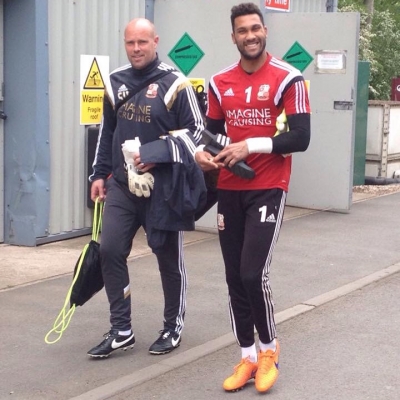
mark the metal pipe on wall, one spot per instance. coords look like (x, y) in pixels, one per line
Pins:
(149, 10)
(331, 5)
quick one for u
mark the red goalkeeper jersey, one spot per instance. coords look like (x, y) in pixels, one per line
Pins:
(250, 105)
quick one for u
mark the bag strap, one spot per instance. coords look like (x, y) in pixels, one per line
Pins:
(141, 86)
(97, 219)
(64, 317)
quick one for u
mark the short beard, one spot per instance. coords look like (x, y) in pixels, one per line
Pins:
(252, 57)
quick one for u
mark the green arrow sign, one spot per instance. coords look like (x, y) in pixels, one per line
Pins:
(186, 54)
(298, 57)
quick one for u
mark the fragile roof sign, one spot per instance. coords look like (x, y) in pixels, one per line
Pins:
(93, 71)
(278, 5)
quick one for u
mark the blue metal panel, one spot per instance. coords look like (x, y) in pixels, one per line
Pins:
(27, 158)
(1, 129)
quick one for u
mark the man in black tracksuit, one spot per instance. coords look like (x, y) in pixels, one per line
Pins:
(145, 99)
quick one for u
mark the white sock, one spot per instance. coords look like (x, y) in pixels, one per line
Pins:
(250, 352)
(269, 346)
(125, 333)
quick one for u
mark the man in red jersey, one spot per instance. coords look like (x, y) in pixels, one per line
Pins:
(244, 102)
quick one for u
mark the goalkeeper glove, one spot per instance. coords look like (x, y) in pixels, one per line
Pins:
(139, 184)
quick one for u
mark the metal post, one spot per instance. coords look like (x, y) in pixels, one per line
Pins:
(149, 11)
(385, 141)
(331, 5)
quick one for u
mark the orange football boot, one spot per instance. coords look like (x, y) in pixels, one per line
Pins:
(244, 371)
(268, 369)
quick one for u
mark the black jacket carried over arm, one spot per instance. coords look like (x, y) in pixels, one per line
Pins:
(182, 191)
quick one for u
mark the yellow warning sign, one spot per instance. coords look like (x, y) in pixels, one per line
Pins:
(94, 79)
(198, 83)
(91, 106)
(92, 86)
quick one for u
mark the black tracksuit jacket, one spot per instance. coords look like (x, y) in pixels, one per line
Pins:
(148, 104)
(164, 104)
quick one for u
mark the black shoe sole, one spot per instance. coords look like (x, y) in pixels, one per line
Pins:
(242, 170)
(235, 390)
(159, 353)
(107, 355)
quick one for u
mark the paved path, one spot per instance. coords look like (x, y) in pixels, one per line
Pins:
(321, 260)
(345, 349)
(26, 265)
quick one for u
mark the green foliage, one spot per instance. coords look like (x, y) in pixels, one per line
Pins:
(379, 43)
(385, 45)
(393, 6)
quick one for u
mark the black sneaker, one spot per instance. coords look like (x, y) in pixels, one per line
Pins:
(168, 341)
(112, 341)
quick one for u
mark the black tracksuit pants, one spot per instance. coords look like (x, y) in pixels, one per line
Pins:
(248, 224)
(124, 214)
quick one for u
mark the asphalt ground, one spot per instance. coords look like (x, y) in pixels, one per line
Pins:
(332, 318)
(345, 349)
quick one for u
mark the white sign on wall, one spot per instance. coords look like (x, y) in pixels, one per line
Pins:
(93, 71)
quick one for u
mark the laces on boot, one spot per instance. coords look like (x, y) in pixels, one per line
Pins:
(268, 370)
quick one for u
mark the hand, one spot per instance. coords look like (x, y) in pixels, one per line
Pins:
(232, 153)
(141, 167)
(206, 161)
(140, 184)
(98, 190)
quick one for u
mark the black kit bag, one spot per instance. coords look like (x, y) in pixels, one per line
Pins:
(87, 279)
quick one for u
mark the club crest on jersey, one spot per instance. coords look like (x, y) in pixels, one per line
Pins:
(263, 93)
(220, 222)
(152, 91)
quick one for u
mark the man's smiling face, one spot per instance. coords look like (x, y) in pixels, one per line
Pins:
(250, 36)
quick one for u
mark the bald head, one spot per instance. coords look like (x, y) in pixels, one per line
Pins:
(140, 42)
(140, 24)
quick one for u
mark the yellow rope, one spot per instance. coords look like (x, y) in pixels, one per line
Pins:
(64, 317)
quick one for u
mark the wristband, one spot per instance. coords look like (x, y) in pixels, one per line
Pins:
(259, 145)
